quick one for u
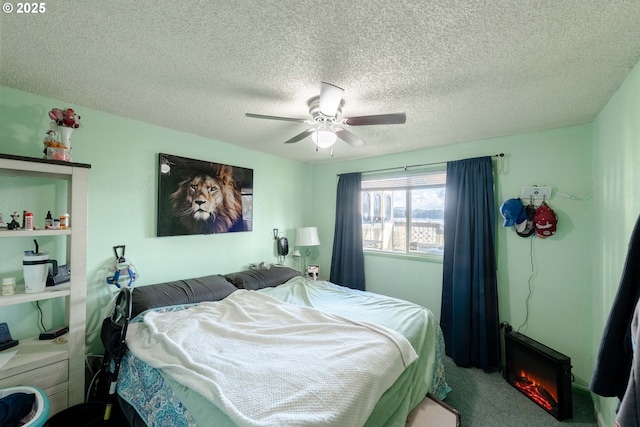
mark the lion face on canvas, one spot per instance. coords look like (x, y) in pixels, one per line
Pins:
(208, 202)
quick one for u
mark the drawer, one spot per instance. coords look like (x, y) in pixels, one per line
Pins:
(58, 401)
(44, 377)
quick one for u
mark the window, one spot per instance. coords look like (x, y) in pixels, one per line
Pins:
(404, 214)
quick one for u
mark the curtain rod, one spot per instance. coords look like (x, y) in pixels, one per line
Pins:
(499, 155)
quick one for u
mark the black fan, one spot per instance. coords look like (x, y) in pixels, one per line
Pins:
(327, 126)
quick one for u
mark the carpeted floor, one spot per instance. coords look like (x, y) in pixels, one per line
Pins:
(486, 400)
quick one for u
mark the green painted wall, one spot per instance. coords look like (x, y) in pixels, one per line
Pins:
(562, 281)
(576, 272)
(122, 199)
(616, 162)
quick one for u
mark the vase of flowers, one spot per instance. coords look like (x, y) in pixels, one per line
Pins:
(57, 144)
(66, 121)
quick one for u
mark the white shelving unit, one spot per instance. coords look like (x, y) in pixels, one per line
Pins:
(57, 366)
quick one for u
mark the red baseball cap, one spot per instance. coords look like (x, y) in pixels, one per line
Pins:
(545, 220)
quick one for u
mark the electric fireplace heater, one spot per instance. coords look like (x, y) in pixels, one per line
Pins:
(540, 373)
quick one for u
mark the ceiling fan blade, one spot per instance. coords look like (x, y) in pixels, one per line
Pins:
(286, 119)
(300, 136)
(330, 98)
(349, 137)
(379, 119)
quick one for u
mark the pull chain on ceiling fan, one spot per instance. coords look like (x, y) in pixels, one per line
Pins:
(327, 128)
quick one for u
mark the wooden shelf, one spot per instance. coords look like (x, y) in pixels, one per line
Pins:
(20, 296)
(34, 233)
(43, 161)
(56, 365)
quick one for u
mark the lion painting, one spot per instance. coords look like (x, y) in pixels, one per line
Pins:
(208, 203)
(201, 197)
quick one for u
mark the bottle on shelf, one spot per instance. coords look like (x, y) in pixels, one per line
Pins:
(48, 221)
(28, 221)
(64, 221)
(8, 286)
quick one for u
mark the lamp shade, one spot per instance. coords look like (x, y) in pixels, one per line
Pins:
(324, 138)
(307, 236)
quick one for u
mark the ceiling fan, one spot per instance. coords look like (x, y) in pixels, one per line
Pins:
(327, 126)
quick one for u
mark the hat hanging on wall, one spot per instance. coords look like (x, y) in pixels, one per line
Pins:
(545, 220)
(527, 227)
(513, 212)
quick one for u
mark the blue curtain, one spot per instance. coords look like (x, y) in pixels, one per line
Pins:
(347, 259)
(469, 315)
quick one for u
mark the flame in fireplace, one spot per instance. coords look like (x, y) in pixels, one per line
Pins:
(536, 391)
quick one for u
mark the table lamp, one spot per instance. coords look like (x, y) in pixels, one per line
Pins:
(305, 237)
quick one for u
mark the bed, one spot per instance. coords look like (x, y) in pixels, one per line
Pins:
(235, 386)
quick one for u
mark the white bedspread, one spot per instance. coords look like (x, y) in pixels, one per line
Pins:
(268, 363)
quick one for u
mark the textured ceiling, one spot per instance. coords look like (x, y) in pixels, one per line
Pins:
(461, 69)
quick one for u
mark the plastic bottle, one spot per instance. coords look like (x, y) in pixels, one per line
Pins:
(64, 221)
(28, 221)
(48, 221)
(8, 286)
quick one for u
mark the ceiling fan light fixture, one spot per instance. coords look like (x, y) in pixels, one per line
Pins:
(324, 138)
(327, 123)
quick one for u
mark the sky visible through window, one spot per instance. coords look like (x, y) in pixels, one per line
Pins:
(425, 203)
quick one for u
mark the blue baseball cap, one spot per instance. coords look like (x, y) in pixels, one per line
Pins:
(513, 212)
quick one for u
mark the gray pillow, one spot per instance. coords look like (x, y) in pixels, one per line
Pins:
(187, 291)
(258, 278)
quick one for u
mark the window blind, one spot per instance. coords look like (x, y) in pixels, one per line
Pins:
(417, 180)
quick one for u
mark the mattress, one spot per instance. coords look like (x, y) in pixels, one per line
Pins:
(159, 400)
